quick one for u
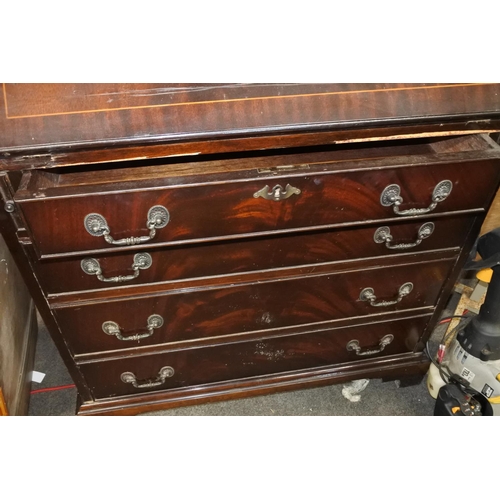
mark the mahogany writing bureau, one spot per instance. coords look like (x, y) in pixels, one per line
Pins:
(186, 243)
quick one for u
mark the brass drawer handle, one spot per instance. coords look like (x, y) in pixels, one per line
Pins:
(112, 328)
(391, 197)
(383, 235)
(141, 261)
(96, 225)
(368, 295)
(277, 193)
(353, 345)
(163, 374)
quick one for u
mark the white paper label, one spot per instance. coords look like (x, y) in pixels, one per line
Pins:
(37, 376)
(467, 374)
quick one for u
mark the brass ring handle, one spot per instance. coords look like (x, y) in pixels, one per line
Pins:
(383, 235)
(277, 193)
(163, 374)
(353, 345)
(96, 225)
(368, 295)
(391, 196)
(141, 261)
(112, 328)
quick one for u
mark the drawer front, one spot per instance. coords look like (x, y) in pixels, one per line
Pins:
(194, 367)
(222, 210)
(213, 312)
(240, 256)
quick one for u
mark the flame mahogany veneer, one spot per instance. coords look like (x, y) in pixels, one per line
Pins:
(312, 233)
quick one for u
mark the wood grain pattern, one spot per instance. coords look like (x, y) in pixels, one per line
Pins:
(195, 367)
(387, 367)
(244, 111)
(257, 296)
(229, 209)
(240, 279)
(102, 155)
(191, 314)
(29, 100)
(251, 255)
(243, 166)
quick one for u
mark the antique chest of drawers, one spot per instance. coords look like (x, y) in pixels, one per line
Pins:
(186, 244)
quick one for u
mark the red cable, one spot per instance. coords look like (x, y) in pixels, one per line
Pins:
(57, 388)
(449, 320)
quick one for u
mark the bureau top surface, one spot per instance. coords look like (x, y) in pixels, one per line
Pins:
(55, 117)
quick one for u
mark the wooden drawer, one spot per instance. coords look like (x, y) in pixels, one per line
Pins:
(58, 208)
(208, 312)
(195, 367)
(255, 254)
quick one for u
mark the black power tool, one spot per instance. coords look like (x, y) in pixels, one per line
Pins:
(472, 361)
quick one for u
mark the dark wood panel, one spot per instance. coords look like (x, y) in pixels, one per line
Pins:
(228, 280)
(23, 256)
(18, 332)
(252, 255)
(388, 368)
(35, 116)
(290, 304)
(53, 99)
(195, 314)
(251, 359)
(90, 158)
(145, 350)
(252, 165)
(231, 209)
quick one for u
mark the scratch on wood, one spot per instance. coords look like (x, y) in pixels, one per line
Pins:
(115, 160)
(262, 349)
(183, 154)
(179, 90)
(423, 135)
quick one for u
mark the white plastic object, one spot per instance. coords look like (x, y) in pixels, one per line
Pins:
(434, 381)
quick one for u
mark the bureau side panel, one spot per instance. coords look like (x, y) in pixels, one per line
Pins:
(17, 335)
